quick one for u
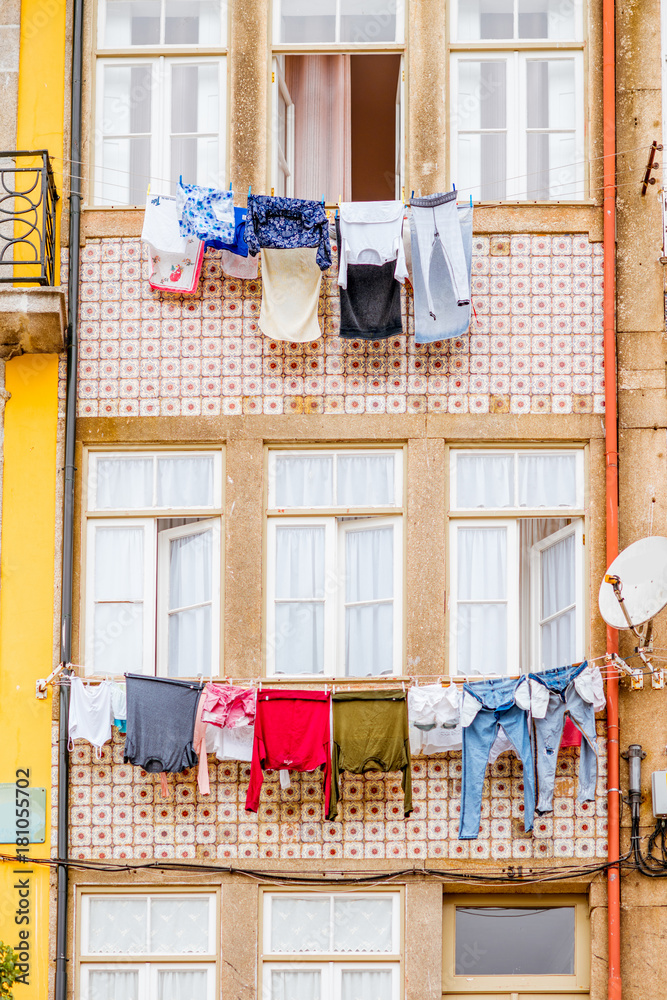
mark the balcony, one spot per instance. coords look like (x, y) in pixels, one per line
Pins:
(32, 308)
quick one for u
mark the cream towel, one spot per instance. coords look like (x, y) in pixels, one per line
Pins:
(290, 295)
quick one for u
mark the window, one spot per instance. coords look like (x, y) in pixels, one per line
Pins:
(335, 563)
(331, 947)
(516, 946)
(516, 563)
(152, 592)
(157, 947)
(338, 114)
(517, 110)
(160, 105)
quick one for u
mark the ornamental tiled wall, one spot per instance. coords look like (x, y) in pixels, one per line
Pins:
(535, 343)
(116, 811)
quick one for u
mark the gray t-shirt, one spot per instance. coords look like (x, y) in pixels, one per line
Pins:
(161, 723)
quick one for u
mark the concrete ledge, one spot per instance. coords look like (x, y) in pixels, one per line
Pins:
(32, 321)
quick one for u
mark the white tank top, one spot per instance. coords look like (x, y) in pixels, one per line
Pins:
(90, 713)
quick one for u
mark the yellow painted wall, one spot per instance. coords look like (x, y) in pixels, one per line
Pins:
(26, 637)
(41, 96)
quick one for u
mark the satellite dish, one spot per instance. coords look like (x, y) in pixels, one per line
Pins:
(639, 576)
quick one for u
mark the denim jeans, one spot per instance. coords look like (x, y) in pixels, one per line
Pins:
(564, 699)
(441, 272)
(497, 698)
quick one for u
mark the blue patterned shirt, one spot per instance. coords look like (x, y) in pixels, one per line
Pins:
(286, 224)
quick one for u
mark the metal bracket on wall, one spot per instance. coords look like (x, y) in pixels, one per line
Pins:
(651, 165)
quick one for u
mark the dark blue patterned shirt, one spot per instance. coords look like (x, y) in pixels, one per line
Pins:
(286, 224)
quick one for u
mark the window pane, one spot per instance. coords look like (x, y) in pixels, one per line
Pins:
(365, 481)
(296, 985)
(484, 481)
(480, 19)
(185, 482)
(369, 564)
(551, 100)
(180, 926)
(366, 984)
(124, 483)
(548, 481)
(195, 108)
(308, 21)
(369, 640)
(482, 158)
(118, 638)
(300, 562)
(367, 21)
(482, 564)
(182, 985)
(558, 576)
(104, 985)
(131, 22)
(190, 642)
(482, 94)
(117, 927)
(299, 925)
(363, 925)
(119, 564)
(125, 142)
(299, 638)
(499, 941)
(481, 638)
(303, 481)
(546, 19)
(190, 569)
(192, 22)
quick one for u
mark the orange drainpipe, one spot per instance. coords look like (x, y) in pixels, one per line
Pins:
(611, 457)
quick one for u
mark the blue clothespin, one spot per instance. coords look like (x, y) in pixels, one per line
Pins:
(471, 201)
(453, 186)
(322, 199)
(412, 196)
(336, 215)
(249, 189)
(230, 185)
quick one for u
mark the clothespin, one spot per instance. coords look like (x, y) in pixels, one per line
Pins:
(249, 189)
(453, 186)
(322, 200)
(412, 195)
(180, 179)
(230, 186)
(148, 192)
(471, 201)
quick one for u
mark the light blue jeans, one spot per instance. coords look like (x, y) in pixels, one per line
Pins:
(564, 699)
(441, 271)
(498, 709)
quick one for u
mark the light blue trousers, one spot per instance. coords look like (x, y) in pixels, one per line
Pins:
(441, 272)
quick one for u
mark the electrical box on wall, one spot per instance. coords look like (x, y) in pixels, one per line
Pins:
(659, 793)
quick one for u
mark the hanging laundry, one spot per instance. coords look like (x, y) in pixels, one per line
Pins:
(206, 213)
(228, 705)
(292, 731)
(577, 692)
(175, 261)
(119, 707)
(90, 713)
(370, 733)
(238, 245)
(160, 724)
(370, 304)
(371, 233)
(288, 224)
(571, 735)
(486, 706)
(239, 267)
(438, 285)
(290, 295)
(435, 723)
(225, 726)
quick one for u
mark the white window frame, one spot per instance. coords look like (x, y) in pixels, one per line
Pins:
(510, 516)
(283, 159)
(335, 453)
(161, 57)
(147, 964)
(156, 556)
(399, 7)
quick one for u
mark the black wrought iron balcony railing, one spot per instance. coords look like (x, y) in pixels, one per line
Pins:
(27, 218)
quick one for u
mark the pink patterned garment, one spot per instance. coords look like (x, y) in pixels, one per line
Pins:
(228, 706)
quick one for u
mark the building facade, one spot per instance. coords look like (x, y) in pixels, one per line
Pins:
(482, 462)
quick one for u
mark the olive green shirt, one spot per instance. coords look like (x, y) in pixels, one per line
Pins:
(370, 733)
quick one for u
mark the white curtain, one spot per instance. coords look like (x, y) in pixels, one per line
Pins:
(182, 985)
(531, 530)
(365, 481)
(303, 481)
(558, 593)
(180, 926)
(117, 927)
(366, 984)
(119, 594)
(320, 87)
(289, 985)
(299, 639)
(124, 483)
(308, 21)
(185, 482)
(195, 94)
(103, 985)
(300, 925)
(482, 121)
(369, 571)
(124, 154)
(190, 583)
(484, 481)
(481, 627)
(363, 925)
(547, 481)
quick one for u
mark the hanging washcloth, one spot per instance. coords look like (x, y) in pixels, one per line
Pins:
(288, 224)
(438, 314)
(175, 261)
(292, 732)
(206, 213)
(90, 713)
(370, 304)
(371, 233)
(290, 295)
(239, 267)
(370, 733)
(238, 245)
